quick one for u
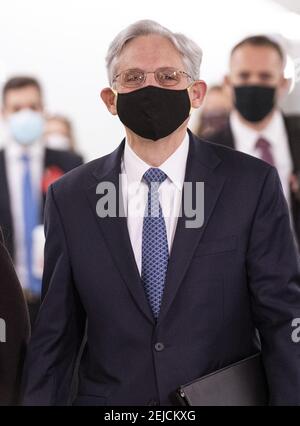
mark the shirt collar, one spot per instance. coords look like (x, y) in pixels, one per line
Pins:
(174, 167)
(16, 150)
(274, 128)
(250, 136)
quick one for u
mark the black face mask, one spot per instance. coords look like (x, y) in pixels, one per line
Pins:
(152, 112)
(254, 103)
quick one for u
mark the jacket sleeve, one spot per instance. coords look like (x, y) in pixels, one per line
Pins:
(14, 330)
(59, 328)
(274, 281)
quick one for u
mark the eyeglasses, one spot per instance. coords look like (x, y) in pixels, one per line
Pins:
(166, 77)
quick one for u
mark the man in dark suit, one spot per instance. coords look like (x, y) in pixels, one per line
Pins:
(166, 298)
(256, 125)
(14, 330)
(26, 170)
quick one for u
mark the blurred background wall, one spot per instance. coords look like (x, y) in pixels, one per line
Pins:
(63, 43)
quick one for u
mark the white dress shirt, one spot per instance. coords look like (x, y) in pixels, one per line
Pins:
(135, 192)
(15, 172)
(275, 133)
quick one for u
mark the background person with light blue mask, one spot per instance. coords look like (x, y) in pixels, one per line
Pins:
(26, 170)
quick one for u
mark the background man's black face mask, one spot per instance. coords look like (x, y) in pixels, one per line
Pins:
(254, 103)
(153, 112)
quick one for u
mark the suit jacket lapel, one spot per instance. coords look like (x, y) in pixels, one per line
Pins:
(201, 165)
(293, 140)
(115, 231)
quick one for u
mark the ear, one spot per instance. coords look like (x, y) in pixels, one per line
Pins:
(109, 98)
(197, 93)
(227, 82)
(285, 86)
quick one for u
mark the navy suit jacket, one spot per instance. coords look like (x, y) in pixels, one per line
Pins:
(292, 125)
(237, 274)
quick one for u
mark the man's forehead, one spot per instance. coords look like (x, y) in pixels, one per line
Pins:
(24, 94)
(149, 50)
(256, 57)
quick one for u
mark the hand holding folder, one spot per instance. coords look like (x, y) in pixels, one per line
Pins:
(240, 384)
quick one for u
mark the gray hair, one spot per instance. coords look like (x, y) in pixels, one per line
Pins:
(189, 50)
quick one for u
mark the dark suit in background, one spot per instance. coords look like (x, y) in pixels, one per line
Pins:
(292, 124)
(14, 312)
(64, 160)
(237, 273)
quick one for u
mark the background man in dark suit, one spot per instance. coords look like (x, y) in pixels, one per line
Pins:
(165, 301)
(26, 170)
(257, 126)
(15, 329)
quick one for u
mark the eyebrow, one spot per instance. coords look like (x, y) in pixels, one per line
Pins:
(260, 73)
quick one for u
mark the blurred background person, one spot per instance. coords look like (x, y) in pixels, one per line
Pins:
(14, 330)
(2, 130)
(59, 133)
(256, 125)
(26, 170)
(215, 111)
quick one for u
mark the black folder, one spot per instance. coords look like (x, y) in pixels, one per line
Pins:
(240, 384)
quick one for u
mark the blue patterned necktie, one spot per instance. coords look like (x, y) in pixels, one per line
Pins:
(30, 214)
(155, 252)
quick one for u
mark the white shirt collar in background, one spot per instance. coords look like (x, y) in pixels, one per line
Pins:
(15, 150)
(275, 133)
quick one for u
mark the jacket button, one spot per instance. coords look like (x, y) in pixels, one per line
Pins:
(159, 347)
